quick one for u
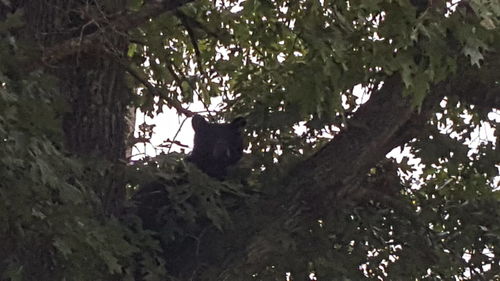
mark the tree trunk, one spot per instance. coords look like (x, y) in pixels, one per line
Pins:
(97, 96)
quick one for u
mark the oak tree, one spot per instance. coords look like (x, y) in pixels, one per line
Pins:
(328, 90)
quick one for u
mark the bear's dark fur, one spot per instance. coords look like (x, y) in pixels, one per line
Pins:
(176, 221)
(216, 146)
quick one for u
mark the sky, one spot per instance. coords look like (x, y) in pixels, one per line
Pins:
(169, 125)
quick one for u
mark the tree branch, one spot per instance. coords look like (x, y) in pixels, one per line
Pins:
(338, 170)
(192, 37)
(386, 121)
(480, 85)
(171, 102)
(480, 94)
(362, 144)
(122, 22)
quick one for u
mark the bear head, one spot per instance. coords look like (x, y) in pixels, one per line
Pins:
(216, 146)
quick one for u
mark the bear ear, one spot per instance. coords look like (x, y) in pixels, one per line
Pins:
(198, 122)
(239, 122)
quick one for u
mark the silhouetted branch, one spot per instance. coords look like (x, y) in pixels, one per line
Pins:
(122, 22)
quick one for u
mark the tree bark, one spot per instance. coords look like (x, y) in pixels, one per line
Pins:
(92, 83)
(337, 172)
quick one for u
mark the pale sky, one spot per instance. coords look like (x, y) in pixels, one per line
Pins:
(168, 123)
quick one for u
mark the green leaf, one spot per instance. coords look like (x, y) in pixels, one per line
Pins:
(62, 247)
(473, 49)
(488, 23)
(111, 262)
(132, 49)
(12, 21)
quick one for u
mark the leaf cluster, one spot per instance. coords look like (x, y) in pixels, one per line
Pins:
(52, 220)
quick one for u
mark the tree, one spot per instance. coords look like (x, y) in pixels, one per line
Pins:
(326, 201)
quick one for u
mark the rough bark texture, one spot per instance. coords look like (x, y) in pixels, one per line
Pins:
(98, 97)
(383, 123)
(95, 86)
(95, 121)
(337, 172)
(119, 20)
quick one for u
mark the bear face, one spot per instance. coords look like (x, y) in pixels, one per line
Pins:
(216, 146)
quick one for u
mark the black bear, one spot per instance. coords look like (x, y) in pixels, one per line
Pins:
(170, 206)
(216, 146)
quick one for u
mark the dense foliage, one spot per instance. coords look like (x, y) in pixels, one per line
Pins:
(328, 89)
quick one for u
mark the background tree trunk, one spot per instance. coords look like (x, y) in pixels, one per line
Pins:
(97, 121)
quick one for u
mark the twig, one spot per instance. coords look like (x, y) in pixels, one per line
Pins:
(171, 102)
(185, 21)
(191, 85)
(177, 133)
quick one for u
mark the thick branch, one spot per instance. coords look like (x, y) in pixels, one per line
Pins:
(338, 170)
(366, 140)
(370, 128)
(480, 94)
(386, 121)
(480, 87)
(314, 185)
(122, 22)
